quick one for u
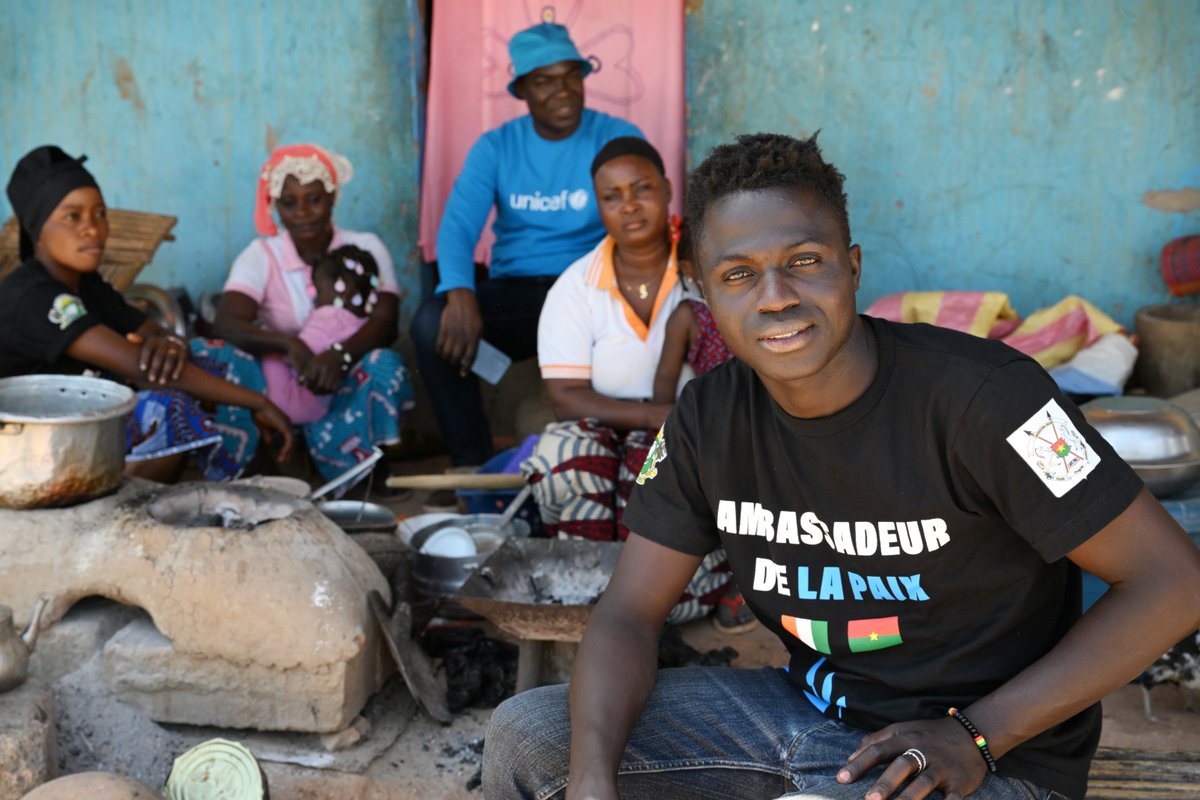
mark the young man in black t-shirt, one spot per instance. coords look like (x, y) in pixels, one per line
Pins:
(907, 507)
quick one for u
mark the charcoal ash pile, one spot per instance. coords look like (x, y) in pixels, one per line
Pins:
(481, 672)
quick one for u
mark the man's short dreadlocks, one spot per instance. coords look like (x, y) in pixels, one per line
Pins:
(763, 161)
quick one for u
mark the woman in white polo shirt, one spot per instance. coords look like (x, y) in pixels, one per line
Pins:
(600, 335)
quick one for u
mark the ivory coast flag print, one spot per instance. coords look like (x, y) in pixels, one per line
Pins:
(813, 632)
(873, 634)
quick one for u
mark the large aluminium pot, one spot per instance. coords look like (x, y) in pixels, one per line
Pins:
(62, 439)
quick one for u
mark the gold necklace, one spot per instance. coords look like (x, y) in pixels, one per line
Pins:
(643, 290)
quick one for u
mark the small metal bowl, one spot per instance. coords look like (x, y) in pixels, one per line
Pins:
(359, 516)
(1159, 440)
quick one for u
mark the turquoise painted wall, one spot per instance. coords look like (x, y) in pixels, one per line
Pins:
(178, 103)
(998, 145)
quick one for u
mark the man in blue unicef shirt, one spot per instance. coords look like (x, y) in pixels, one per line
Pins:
(534, 171)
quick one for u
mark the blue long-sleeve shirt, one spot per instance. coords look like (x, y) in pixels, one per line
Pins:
(546, 213)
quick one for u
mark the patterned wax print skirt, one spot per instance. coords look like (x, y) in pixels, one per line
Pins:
(367, 409)
(582, 474)
(166, 422)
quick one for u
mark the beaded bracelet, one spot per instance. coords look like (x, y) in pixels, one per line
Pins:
(347, 360)
(980, 742)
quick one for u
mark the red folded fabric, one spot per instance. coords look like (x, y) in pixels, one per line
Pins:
(1181, 265)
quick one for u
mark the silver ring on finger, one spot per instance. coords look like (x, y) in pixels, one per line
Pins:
(917, 757)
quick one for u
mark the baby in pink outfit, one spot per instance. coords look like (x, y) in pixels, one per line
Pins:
(345, 281)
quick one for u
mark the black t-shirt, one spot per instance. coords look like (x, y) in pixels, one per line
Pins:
(41, 316)
(909, 549)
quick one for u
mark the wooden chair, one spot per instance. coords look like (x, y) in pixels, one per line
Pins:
(133, 237)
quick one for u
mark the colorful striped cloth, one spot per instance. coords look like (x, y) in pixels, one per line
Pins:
(1058, 337)
(582, 474)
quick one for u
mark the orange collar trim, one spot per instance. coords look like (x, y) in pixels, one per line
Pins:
(602, 275)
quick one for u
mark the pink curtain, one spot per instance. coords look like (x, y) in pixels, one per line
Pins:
(636, 47)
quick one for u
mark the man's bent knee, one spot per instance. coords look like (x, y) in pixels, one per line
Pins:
(526, 751)
(427, 322)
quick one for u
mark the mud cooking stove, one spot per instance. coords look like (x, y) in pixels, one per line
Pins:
(258, 601)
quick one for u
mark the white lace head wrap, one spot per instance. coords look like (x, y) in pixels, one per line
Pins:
(307, 169)
(307, 163)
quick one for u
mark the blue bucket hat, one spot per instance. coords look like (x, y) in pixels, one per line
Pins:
(541, 46)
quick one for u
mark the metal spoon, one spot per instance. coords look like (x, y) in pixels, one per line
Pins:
(511, 511)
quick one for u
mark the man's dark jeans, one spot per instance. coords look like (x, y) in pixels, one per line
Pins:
(510, 309)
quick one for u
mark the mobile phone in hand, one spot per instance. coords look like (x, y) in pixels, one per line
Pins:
(490, 363)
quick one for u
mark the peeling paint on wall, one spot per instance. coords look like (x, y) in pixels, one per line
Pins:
(1176, 201)
(127, 84)
(193, 72)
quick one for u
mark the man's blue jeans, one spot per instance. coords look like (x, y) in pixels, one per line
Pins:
(510, 308)
(707, 732)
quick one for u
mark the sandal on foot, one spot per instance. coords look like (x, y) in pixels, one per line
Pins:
(732, 615)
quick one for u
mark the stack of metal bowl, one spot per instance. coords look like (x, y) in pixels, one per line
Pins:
(1159, 440)
(440, 573)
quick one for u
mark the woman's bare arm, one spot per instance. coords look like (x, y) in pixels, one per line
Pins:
(236, 322)
(102, 347)
(576, 399)
(680, 333)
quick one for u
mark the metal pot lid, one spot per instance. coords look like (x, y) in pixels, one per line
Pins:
(1145, 429)
(62, 399)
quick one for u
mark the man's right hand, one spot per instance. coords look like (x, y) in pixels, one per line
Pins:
(601, 790)
(461, 329)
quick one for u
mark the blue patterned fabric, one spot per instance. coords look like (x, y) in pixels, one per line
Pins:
(367, 409)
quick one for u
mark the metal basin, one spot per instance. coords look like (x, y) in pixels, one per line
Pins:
(441, 576)
(541, 589)
(1159, 440)
(358, 516)
(62, 439)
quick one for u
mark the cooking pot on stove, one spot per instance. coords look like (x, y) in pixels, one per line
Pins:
(437, 575)
(62, 439)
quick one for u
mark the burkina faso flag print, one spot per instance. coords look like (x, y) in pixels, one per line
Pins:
(873, 634)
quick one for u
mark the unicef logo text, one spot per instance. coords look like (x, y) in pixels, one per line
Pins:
(576, 201)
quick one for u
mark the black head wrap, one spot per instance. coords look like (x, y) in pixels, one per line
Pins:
(38, 184)
(628, 146)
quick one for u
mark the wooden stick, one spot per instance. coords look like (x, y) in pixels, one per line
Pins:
(477, 480)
